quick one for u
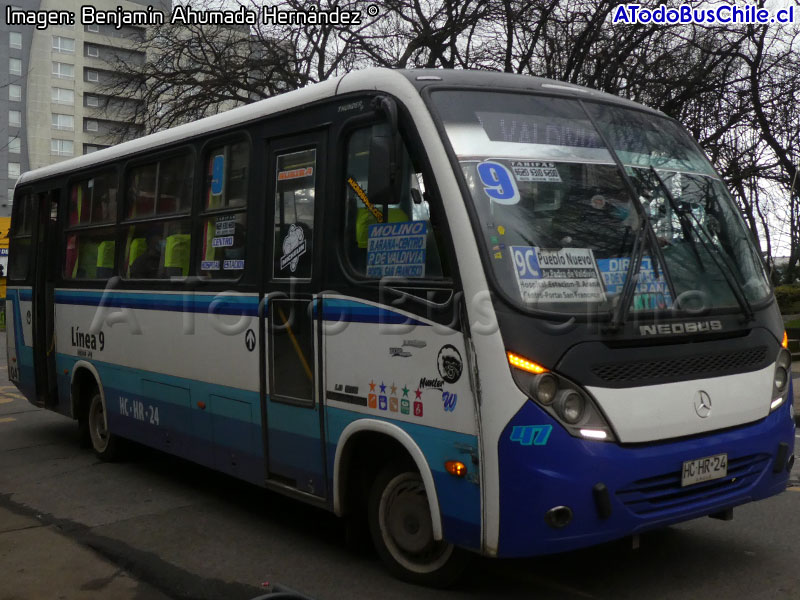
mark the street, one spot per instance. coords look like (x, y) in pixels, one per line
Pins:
(189, 532)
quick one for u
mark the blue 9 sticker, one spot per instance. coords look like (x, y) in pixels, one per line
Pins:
(217, 173)
(498, 182)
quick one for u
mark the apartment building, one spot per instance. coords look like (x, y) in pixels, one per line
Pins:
(54, 100)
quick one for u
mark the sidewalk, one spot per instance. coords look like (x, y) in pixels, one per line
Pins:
(38, 562)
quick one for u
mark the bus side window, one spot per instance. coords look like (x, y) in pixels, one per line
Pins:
(407, 246)
(296, 175)
(90, 238)
(160, 188)
(21, 235)
(159, 248)
(223, 238)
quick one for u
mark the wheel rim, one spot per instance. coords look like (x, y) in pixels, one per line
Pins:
(98, 428)
(406, 527)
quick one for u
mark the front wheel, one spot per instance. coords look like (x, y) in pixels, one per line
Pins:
(402, 531)
(105, 444)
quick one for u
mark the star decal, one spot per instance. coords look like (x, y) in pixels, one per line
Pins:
(371, 386)
(394, 389)
(418, 392)
(405, 392)
(383, 388)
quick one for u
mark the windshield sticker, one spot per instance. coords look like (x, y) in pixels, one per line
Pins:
(294, 246)
(296, 173)
(650, 293)
(498, 183)
(397, 249)
(225, 225)
(233, 265)
(209, 265)
(362, 195)
(222, 242)
(566, 275)
(217, 174)
(535, 170)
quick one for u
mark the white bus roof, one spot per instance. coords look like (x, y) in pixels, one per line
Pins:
(397, 82)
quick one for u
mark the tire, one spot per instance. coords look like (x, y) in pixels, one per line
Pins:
(402, 531)
(105, 444)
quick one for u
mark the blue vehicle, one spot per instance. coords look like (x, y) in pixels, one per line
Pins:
(483, 313)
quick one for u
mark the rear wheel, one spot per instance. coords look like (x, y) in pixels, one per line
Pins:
(104, 443)
(402, 531)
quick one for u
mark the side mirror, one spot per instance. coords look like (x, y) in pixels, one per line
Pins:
(383, 153)
(381, 179)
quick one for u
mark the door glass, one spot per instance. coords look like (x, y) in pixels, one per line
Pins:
(404, 242)
(292, 350)
(296, 175)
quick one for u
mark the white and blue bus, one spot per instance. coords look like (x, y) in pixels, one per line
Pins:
(481, 312)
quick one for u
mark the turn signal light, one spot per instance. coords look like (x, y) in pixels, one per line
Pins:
(785, 341)
(525, 364)
(456, 468)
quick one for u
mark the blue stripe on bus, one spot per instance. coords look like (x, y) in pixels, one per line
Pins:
(26, 294)
(338, 310)
(459, 497)
(198, 303)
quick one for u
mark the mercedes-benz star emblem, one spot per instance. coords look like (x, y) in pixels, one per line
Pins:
(702, 404)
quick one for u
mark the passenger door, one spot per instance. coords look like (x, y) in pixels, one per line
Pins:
(295, 442)
(45, 270)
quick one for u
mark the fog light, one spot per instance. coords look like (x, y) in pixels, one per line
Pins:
(558, 517)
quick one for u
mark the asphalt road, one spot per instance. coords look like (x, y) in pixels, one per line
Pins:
(193, 533)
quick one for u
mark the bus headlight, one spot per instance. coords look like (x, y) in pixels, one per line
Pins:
(571, 406)
(544, 388)
(781, 378)
(780, 381)
(566, 402)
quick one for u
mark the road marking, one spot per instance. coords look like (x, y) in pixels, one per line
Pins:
(6, 400)
(7, 419)
(793, 489)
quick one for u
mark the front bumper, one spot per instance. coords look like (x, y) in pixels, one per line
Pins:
(643, 481)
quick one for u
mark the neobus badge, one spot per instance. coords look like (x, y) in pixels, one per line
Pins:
(685, 327)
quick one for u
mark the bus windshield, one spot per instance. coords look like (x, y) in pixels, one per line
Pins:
(561, 223)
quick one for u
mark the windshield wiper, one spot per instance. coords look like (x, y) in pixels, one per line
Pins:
(643, 235)
(727, 271)
(686, 225)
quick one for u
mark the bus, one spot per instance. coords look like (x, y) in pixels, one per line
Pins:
(474, 312)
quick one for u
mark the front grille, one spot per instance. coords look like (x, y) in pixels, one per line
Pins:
(711, 365)
(663, 493)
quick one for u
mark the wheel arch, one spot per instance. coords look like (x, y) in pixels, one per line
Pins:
(348, 441)
(84, 374)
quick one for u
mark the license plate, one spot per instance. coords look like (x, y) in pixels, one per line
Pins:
(704, 469)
